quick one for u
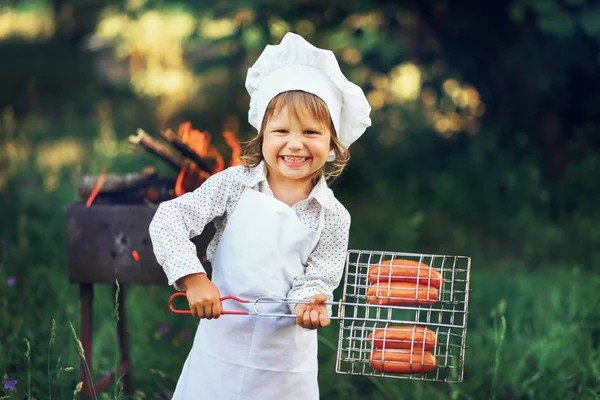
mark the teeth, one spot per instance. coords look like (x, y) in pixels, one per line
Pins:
(295, 159)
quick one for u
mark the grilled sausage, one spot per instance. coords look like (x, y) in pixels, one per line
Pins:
(402, 294)
(402, 361)
(405, 271)
(416, 338)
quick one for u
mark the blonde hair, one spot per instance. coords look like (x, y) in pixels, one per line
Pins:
(295, 99)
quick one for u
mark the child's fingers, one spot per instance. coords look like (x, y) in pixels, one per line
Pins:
(193, 309)
(314, 318)
(199, 311)
(216, 309)
(306, 319)
(318, 298)
(309, 317)
(208, 313)
(300, 308)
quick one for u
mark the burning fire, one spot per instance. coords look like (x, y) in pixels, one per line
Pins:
(191, 176)
(199, 153)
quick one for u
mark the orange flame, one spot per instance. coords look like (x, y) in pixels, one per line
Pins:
(219, 163)
(190, 176)
(236, 149)
(179, 190)
(97, 188)
(197, 141)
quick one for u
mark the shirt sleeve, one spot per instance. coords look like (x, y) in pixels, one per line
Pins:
(325, 265)
(177, 221)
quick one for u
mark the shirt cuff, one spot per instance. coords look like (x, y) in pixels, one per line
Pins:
(175, 273)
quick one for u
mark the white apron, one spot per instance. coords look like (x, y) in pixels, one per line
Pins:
(263, 248)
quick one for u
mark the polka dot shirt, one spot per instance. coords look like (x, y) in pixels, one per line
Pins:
(178, 220)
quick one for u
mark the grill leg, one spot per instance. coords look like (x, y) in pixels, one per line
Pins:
(86, 293)
(125, 365)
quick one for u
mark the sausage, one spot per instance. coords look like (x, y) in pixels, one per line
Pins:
(402, 361)
(416, 338)
(405, 271)
(402, 294)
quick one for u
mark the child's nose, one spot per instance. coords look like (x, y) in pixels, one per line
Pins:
(295, 141)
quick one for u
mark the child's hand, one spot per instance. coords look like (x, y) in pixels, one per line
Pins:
(313, 315)
(203, 296)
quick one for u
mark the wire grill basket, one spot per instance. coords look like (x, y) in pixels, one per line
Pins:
(359, 318)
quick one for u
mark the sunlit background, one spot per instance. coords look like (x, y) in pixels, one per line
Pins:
(164, 56)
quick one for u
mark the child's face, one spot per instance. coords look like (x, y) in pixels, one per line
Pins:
(295, 147)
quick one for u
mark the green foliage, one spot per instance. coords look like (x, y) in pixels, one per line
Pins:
(590, 21)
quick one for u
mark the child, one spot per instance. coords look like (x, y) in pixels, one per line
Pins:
(280, 231)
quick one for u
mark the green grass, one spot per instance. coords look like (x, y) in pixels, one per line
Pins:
(547, 349)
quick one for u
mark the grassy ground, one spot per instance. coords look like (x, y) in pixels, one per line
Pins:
(547, 349)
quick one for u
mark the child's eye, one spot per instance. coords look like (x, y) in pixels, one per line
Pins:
(312, 132)
(281, 131)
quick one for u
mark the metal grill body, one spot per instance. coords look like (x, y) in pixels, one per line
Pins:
(447, 317)
(101, 241)
(103, 237)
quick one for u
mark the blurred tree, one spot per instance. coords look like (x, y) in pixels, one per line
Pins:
(534, 62)
(534, 68)
(76, 19)
(529, 67)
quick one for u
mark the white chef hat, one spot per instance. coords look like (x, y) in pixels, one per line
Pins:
(295, 64)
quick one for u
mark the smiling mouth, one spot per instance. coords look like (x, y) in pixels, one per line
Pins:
(294, 160)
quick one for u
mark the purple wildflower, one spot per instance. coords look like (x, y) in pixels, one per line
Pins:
(4, 243)
(163, 329)
(185, 335)
(9, 383)
(11, 281)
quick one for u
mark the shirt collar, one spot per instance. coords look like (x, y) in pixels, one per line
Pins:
(253, 176)
(321, 192)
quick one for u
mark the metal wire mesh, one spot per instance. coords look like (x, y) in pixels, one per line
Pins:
(447, 317)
